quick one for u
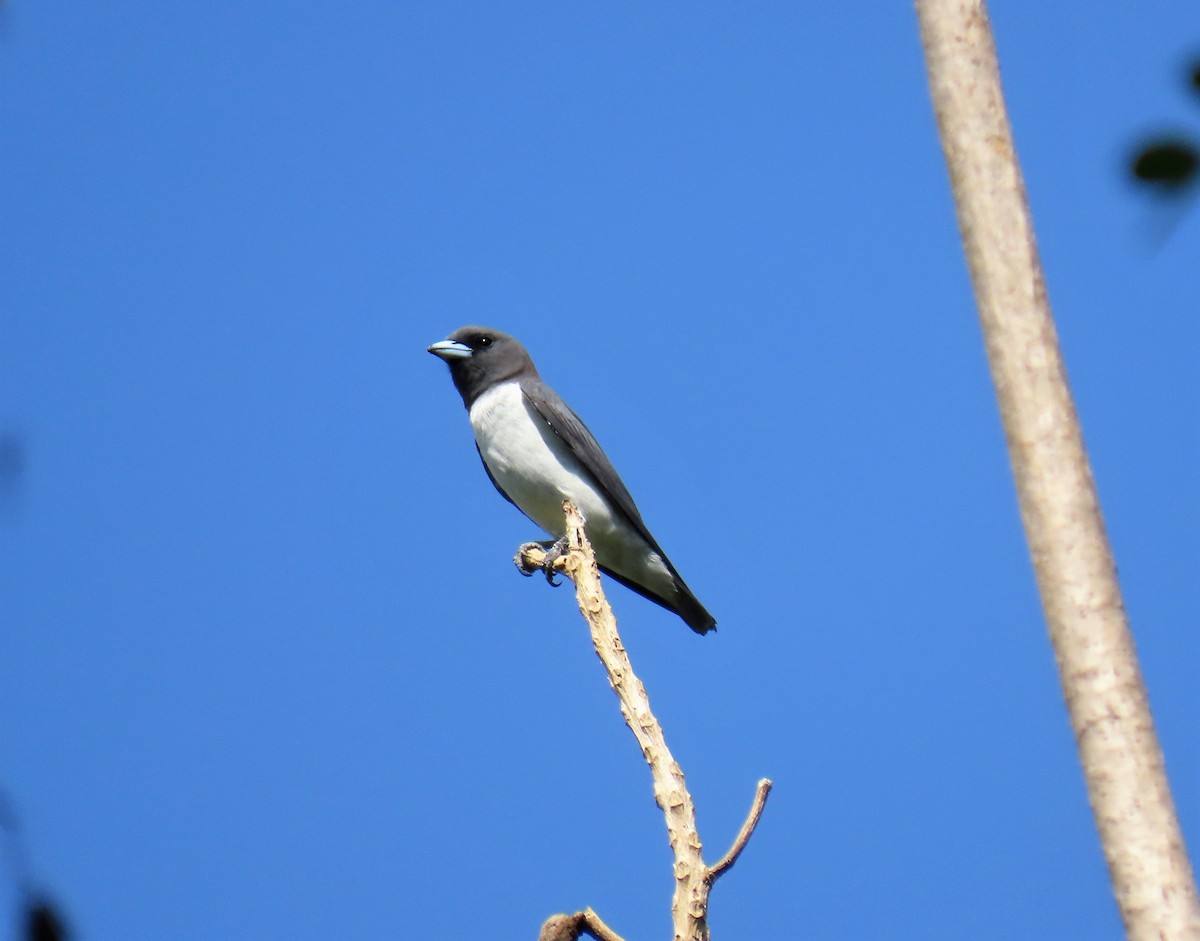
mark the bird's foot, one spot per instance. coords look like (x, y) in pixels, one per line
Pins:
(521, 559)
(553, 551)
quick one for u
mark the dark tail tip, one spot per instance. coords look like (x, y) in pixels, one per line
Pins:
(694, 614)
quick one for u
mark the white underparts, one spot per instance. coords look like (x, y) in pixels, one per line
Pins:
(537, 471)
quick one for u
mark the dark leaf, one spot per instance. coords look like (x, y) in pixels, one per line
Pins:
(42, 923)
(1168, 164)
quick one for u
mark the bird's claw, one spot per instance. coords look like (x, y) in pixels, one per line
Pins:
(519, 559)
(556, 551)
(553, 552)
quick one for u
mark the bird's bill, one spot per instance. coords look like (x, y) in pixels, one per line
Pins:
(450, 350)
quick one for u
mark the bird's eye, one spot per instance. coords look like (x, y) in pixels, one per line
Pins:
(485, 341)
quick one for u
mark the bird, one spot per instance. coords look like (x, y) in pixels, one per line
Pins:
(537, 453)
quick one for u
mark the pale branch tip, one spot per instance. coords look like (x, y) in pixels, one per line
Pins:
(595, 926)
(531, 557)
(739, 843)
(693, 879)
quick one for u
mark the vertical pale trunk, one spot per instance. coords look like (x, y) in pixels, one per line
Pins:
(1101, 681)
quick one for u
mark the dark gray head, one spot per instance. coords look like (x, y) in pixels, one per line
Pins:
(480, 357)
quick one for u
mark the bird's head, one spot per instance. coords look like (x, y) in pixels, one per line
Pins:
(480, 357)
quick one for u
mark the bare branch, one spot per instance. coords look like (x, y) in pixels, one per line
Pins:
(1076, 575)
(594, 925)
(693, 879)
(743, 837)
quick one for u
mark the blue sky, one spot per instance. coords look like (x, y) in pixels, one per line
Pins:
(267, 670)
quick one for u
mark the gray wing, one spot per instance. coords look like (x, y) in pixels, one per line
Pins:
(571, 430)
(583, 445)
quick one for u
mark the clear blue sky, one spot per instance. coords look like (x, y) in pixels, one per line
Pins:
(266, 670)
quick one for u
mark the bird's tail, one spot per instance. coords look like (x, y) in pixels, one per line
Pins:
(682, 601)
(694, 614)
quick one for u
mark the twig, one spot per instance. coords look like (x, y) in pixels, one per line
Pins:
(693, 879)
(743, 837)
(595, 926)
(1076, 575)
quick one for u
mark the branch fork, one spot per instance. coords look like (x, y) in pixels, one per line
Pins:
(693, 877)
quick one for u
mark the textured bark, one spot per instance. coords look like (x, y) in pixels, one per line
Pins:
(693, 879)
(1076, 575)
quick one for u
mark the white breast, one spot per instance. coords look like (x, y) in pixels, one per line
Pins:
(528, 460)
(537, 471)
